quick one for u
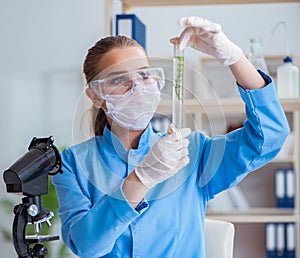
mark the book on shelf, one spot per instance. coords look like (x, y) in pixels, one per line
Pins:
(280, 240)
(131, 26)
(285, 188)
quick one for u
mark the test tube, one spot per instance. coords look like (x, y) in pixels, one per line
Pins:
(177, 107)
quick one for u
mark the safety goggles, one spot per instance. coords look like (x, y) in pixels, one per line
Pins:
(120, 84)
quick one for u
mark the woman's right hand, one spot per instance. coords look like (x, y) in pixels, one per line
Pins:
(166, 158)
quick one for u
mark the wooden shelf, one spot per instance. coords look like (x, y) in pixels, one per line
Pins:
(255, 215)
(252, 211)
(236, 218)
(223, 105)
(231, 107)
(128, 4)
(290, 105)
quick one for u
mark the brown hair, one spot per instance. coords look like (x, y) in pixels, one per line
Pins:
(91, 69)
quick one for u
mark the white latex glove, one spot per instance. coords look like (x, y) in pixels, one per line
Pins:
(166, 158)
(207, 37)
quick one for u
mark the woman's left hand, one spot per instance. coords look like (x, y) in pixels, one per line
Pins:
(207, 37)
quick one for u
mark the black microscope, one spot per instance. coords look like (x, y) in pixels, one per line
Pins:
(29, 176)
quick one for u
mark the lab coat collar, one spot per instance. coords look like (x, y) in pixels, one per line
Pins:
(147, 139)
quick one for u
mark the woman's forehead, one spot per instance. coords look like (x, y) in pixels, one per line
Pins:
(123, 60)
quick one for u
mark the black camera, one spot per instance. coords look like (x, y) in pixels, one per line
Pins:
(29, 176)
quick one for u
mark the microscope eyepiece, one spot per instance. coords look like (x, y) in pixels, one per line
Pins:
(29, 174)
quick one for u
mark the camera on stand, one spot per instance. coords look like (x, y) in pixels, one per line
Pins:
(29, 176)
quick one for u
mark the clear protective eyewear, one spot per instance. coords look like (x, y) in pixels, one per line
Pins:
(122, 83)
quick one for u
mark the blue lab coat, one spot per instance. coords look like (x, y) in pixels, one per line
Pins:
(97, 221)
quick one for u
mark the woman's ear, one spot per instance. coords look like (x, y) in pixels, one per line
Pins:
(97, 101)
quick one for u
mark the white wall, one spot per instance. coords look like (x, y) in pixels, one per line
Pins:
(239, 22)
(43, 44)
(42, 47)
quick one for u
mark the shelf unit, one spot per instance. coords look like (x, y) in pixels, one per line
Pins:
(129, 4)
(227, 105)
(249, 223)
(257, 217)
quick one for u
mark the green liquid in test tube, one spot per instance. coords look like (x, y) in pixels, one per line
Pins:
(178, 65)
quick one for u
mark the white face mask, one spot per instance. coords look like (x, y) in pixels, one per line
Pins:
(134, 110)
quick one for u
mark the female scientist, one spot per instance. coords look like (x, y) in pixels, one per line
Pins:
(130, 192)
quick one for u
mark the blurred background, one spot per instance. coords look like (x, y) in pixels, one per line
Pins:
(43, 45)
